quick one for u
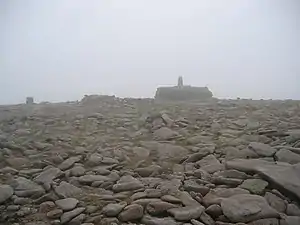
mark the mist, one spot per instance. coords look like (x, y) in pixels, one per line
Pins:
(59, 50)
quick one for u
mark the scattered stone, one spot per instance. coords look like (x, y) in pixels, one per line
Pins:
(68, 163)
(292, 210)
(247, 208)
(210, 164)
(68, 216)
(276, 202)
(214, 211)
(159, 207)
(67, 204)
(186, 213)
(46, 177)
(148, 220)
(66, 190)
(261, 149)
(5, 193)
(55, 214)
(24, 187)
(112, 210)
(255, 186)
(131, 212)
(288, 156)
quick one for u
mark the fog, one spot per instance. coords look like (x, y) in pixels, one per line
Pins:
(58, 50)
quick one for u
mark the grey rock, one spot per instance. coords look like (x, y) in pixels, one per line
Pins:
(6, 192)
(186, 213)
(210, 164)
(68, 216)
(187, 199)
(66, 190)
(255, 186)
(18, 162)
(247, 208)
(199, 155)
(276, 202)
(190, 185)
(290, 220)
(46, 207)
(159, 207)
(215, 196)
(46, 177)
(131, 212)
(262, 149)
(149, 220)
(206, 219)
(68, 163)
(149, 171)
(77, 171)
(171, 199)
(78, 220)
(67, 203)
(25, 188)
(232, 174)
(112, 210)
(55, 214)
(165, 133)
(88, 179)
(282, 175)
(271, 221)
(292, 210)
(288, 156)
(214, 211)
(196, 222)
(127, 183)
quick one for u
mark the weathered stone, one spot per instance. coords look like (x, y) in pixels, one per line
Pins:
(255, 186)
(68, 163)
(210, 164)
(112, 210)
(55, 214)
(288, 156)
(214, 211)
(66, 190)
(25, 188)
(148, 220)
(262, 149)
(215, 196)
(272, 221)
(165, 133)
(131, 212)
(275, 202)
(190, 185)
(46, 177)
(77, 220)
(247, 208)
(68, 216)
(186, 213)
(77, 171)
(159, 207)
(290, 220)
(206, 219)
(67, 203)
(282, 175)
(292, 210)
(5, 193)
(171, 199)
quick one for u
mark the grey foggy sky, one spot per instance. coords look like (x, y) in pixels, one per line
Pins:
(57, 50)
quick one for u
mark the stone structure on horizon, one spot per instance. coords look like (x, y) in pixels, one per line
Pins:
(183, 92)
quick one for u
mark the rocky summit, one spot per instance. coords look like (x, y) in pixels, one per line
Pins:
(108, 161)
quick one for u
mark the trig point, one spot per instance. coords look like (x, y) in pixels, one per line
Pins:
(180, 82)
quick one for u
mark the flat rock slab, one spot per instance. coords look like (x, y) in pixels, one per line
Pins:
(67, 203)
(46, 177)
(255, 186)
(285, 176)
(6, 192)
(68, 216)
(186, 213)
(24, 187)
(66, 190)
(246, 208)
(149, 220)
(262, 149)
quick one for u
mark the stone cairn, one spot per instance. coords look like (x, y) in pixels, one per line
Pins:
(29, 100)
